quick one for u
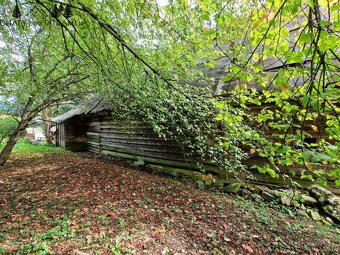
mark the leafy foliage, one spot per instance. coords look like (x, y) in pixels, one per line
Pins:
(302, 88)
(7, 126)
(38, 73)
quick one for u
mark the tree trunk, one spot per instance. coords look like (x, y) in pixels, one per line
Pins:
(48, 134)
(13, 139)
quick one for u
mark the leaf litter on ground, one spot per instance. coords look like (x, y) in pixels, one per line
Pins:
(67, 203)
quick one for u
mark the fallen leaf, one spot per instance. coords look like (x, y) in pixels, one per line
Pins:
(78, 252)
(315, 128)
(247, 248)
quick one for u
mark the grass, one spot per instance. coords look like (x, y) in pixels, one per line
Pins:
(26, 146)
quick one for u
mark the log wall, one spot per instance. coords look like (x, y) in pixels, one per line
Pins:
(72, 134)
(134, 140)
(105, 136)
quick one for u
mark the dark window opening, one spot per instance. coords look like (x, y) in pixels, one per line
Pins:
(310, 140)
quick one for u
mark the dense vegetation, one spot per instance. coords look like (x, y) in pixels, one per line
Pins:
(7, 126)
(152, 62)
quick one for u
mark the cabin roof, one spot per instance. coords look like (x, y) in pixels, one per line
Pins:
(93, 106)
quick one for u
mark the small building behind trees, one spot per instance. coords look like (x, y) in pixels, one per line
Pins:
(93, 127)
(70, 128)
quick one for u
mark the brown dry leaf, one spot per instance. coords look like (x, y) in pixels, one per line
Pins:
(178, 224)
(247, 248)
(78, 252)
(283, 87)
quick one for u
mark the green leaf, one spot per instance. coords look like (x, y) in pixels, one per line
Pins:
(307, 155)
(326, 157)
(337, 183)
(305, 38)
(321, 181)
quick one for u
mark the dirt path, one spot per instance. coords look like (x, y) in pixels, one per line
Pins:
(67, 203)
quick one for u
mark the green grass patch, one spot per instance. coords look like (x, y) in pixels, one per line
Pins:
(25, 146)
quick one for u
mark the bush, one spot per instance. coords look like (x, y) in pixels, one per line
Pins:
(7, 127)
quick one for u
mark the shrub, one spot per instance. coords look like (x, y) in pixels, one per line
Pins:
(7, 126)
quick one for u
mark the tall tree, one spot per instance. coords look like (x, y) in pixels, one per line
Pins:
(39, 72)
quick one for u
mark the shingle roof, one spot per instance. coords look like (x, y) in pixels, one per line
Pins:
(93, 106)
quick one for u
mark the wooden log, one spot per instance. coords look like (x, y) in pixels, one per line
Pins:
(180, 164)
(178, 172)
(144, 147)
(93, 146)
(93, 143)
(139, 137)
(159, 155)
(92, 134)
(127, 127)
(129, 133)
(143, 141)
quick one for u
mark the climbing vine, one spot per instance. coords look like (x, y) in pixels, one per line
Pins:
(298, 124)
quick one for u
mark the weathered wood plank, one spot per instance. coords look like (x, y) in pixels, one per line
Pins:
(142, 142)
(129, 137)
(173, 163)
(92, 133)
(144, 148)
(162, 155)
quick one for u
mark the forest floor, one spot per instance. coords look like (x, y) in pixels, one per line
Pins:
(66, 203)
